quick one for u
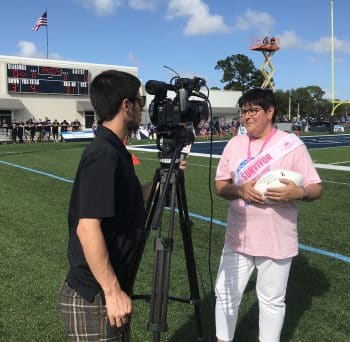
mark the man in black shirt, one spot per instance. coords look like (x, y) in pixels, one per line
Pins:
(39, 129)
(55, 126)
(105, 213)
(76, 125)
(64, 128)
(14, 132)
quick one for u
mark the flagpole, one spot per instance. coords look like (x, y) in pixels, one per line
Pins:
(47, 35)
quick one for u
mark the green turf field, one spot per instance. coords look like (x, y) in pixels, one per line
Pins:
(34, 233)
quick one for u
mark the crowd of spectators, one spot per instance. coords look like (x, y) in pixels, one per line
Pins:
(320, 123)
(40, 130)
(218, 126)
(307, 123)
(33, 130)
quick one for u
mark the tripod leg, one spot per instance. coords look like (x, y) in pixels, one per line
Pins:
(186, 225)
(161, 272)
(144, 233)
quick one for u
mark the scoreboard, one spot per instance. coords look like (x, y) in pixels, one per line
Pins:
(22, 78)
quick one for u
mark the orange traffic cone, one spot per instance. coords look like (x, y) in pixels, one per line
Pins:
(135, 161)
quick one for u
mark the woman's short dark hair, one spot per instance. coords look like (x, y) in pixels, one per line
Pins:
(261, 97)
(109, 89)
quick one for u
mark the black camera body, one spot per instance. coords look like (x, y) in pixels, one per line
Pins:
(166, 113)
(175, 119)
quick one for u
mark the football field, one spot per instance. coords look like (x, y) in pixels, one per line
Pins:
(35, 187)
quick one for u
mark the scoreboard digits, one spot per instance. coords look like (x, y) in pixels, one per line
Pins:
(22, 78)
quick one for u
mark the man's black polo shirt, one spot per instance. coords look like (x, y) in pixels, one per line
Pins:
(105, 187)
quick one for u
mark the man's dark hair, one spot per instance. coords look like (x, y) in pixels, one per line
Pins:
(261, 97)
(109, 89)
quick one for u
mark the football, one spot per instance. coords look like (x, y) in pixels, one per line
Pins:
(271, 180)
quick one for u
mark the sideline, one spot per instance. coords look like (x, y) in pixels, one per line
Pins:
(207, 166)
(37, 171)
(218, 156)
(200, 217)
(301, 246)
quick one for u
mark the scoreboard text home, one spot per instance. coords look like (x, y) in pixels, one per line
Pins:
(22, 78)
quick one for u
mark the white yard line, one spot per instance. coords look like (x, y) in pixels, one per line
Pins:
(343, 162)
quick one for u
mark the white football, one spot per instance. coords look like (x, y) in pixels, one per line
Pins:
(272, 178)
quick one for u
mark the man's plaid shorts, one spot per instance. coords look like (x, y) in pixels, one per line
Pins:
(88, 322)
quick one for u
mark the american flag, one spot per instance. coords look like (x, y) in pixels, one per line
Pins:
(42, 21)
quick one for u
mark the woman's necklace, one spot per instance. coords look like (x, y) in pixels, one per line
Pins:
(266, 140)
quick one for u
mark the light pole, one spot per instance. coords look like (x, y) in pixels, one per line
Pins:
(289, 105)
(298, 112)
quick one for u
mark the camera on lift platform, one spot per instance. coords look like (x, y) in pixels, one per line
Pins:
(172, 116)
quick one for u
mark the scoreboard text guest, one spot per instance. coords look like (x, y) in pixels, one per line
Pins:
(22, 78)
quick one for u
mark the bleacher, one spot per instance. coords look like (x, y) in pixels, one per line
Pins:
(5, 136)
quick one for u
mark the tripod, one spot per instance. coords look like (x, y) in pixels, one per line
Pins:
(168, 182)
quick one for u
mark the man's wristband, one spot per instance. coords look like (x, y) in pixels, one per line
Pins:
(305, 195)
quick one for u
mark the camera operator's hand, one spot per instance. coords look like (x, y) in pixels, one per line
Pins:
(249, 194)
(118, 303)
(119, 308)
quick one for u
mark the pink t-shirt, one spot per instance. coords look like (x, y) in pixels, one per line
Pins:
(262, 229)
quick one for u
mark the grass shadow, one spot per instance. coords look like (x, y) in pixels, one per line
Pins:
(189, 331)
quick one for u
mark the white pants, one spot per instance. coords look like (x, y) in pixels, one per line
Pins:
(234, 272)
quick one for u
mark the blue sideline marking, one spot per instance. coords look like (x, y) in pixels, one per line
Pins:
(37, 171)
(301, 246)
(200, 217)
(323, 252)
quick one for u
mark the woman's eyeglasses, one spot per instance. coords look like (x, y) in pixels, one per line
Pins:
(251, 111)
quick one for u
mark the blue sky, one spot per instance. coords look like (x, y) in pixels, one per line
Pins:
(189, 36)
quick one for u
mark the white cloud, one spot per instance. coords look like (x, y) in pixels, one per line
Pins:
(262, 22)
(102, 7)
(28, 49)
(109, 7)
(143, 4)
(132, 59)
(323, 45)
(342, 45)
(289, 39)
(199, 19)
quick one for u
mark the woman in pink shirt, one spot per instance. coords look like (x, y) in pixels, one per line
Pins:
(260, 235)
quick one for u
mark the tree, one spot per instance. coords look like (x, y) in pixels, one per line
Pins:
(308, 101)
(315, 93)
(239, 73)
(305, 101)
(282, 108)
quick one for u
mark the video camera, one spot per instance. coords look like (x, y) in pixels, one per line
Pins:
(176, 118)
(166, 113)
